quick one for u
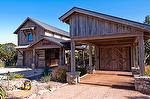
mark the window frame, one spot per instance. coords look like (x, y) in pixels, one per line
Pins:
(28, 37)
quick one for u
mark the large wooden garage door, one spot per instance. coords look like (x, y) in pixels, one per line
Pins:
(115, 58)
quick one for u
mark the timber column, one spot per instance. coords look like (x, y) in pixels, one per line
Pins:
(141, 55)
(33, 63)
(90, 67)
(73, 76)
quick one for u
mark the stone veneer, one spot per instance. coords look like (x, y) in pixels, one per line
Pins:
(142, 84)
(135, 71)
(73, 77)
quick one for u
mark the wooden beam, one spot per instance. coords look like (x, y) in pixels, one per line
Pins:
(141, 55)
(73, 56)
(109, 36)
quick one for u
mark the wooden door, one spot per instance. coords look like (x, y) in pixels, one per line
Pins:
(115, 58)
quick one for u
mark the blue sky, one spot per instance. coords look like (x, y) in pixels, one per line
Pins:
(14, 12)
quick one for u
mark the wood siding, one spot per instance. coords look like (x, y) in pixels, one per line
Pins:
(37, 35)
(84, 26)
(27, 58)
(115, 58)
(40, 60)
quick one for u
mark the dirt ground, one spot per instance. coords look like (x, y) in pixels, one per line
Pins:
(101, 85)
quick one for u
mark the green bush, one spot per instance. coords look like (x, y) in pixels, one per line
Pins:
(19, 76)
(2, 64)
(12, 76)
(46, 78)
(59, 74)
(47, 71)
(147, 70)
(2, 93)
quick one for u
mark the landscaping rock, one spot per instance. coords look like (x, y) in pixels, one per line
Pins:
(142, 84)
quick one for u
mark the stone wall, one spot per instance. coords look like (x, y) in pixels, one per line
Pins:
(142, 84)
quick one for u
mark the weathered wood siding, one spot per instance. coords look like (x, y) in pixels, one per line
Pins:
(44, 44)
(115, 58)
(83, 26)
(28, 58)
(41, 58)
(19, 58)
(38, 33)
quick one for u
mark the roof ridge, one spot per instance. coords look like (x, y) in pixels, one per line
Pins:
(47, 24)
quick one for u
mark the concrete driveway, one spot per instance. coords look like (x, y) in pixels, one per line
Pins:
(28, 72)
(101, 85)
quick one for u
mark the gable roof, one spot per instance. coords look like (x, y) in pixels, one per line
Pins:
(45, 27)
(139, 25)
(51, 39)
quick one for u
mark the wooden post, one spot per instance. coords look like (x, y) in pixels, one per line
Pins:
(141, 55)
(137, 56)
(33, 64)
(90, 57)
(73, 56)
(97, 58)
(63, 56)
(60, 56)
(132, 62)
(134, 55)
(83, 57)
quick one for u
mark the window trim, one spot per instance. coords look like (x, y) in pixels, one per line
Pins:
(30, 33)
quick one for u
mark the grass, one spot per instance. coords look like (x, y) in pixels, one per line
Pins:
(147, 70)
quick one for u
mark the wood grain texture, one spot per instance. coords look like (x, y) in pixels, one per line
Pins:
(84, 25)
(115, 58)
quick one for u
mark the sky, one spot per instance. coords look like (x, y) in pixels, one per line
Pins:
(14, 12)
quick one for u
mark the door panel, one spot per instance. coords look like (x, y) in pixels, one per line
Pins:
(115, 58)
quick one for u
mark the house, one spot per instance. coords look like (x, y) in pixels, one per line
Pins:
(118, 42)
(40, 44)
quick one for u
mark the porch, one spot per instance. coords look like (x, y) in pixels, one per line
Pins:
(113, 79)
(111, 53)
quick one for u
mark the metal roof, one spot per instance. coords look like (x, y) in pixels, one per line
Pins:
(45, 26)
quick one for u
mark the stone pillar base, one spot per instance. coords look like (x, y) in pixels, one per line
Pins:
(135, 71)
(142, 84)
(73, 77)
(90, 70)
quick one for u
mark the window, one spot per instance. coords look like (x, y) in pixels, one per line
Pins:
(30, 37)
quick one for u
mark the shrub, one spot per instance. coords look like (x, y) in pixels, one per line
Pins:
(45, 78)
(47, 71)
(2, 93)
(19, 76)
(12, 76)
(147, 70)
(59, 74)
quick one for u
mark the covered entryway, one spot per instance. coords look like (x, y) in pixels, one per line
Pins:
(101, 30)
(115, 58)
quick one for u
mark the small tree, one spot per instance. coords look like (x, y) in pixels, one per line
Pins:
(8, 54)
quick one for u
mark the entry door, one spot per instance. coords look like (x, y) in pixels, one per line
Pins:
(115, 58)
